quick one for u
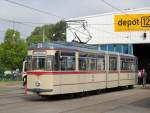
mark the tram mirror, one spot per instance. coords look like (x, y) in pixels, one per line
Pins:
(28, 58)
(25, 59)
(60, 58)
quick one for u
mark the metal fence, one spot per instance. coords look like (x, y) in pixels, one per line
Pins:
(10, 77)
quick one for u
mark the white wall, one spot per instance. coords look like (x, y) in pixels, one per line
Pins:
(101, 28)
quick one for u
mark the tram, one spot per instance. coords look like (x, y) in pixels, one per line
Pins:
(63, 68)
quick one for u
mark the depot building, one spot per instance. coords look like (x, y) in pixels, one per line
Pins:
(124, 32)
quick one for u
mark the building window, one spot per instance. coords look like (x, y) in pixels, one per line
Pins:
(125, 49)
(118, 48)
(110, 47)
(103, 47)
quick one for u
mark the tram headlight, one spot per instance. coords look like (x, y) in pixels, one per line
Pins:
(37, 83)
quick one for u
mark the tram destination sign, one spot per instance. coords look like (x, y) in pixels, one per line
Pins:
(132, 22)
(39, 53)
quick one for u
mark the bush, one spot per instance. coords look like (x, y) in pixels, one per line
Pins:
(10, 77)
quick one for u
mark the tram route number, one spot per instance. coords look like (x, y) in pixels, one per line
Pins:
(145, 21)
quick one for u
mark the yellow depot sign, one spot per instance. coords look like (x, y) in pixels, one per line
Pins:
(132, 22)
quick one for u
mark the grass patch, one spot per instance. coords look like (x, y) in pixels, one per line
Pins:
(9, 82)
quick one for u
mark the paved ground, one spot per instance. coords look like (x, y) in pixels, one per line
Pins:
(12, 100)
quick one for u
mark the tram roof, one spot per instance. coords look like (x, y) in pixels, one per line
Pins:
(94, 48)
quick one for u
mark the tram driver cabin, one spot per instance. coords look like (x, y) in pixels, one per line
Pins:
(63, 68)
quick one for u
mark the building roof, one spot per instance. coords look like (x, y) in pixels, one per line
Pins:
(117, 12)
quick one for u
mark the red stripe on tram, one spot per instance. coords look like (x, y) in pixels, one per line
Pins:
(58, 72)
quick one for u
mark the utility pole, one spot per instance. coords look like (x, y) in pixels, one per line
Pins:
(13, 27)
(43, 35)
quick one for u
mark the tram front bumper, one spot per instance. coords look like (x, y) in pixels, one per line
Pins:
(39, 90)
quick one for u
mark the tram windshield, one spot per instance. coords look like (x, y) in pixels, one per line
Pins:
(39, 63)
(62, 61)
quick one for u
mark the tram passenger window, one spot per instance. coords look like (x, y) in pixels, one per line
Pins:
(82, 63)
(67, 61)
(93, 64)
(71, 63)
(124, 64)
(101, 63)
(113, 63)
(132, 64)
(64, 63)
(132, 67)
(127, 64)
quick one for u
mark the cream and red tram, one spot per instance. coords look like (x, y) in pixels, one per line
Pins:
(53, 69)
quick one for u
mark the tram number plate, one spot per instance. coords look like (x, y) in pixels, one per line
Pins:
(145, 21)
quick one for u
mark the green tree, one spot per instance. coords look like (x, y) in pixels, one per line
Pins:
(52, 32)
(13, 50)
(1, 63)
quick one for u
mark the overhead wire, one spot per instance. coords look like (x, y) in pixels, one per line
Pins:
(16, 22)
(60, 17)
(126, 14)
(41, 11)
(35, 9)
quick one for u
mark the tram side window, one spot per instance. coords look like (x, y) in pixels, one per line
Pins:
(124, 64)
(132, 64)
(93, 64)
(82, 64)
(112, 63)
(83, 61)
(127, 64)
(101, 63)
(67, 61)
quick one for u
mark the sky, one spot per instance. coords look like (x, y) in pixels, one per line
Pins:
(65, 9)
